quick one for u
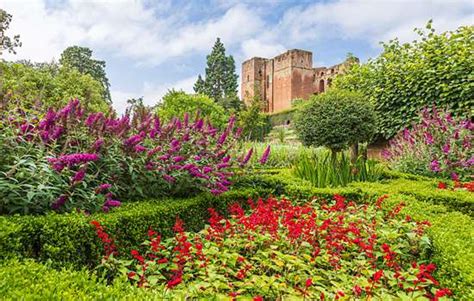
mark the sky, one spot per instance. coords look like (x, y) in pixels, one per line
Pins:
(153, 46)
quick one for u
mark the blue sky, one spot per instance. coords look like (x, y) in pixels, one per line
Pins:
(153, 46)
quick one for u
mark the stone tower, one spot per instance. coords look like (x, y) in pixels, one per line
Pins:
(286, 77)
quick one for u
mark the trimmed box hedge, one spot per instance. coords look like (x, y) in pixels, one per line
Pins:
(69, 239)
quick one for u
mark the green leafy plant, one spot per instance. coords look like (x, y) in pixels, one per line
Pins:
(434, 69)
(439, 145)
(322, 170)
(281, 250)
(336, 119)
(177, 103)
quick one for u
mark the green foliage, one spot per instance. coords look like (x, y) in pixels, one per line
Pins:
(6, 42)
(255, 125)
(81, 59)
(69, 239)
(452, 236)
(28, 280)
(281, 118)
(436, 69)
(322, 171)
(335, 119)
(220, 82)
(26, 86)
(177, 103)
(274, 249)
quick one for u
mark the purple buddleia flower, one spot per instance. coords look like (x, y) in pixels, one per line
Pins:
(112, 203)
(186, 119)
(105, 209)
(222, 138)
(216, 191)
(59, 202)
(247, 157)
(454, 176)
(164, 157)
(238, 133)
(428, 138)
(139, 148)
(98, 144)
(169, 178)
(265, 155)
(446, 148)
(103, 187)
(222, 165)
(207, 169)
(434, 165)
(226, 159)
(197, 158)
(178, 159)
(79, 176)
(199, 124)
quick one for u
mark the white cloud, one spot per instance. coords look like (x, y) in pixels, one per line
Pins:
(261, 48)
(151, 92)
(372, 20)
(124, 28)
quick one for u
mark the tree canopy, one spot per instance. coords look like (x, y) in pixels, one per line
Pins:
(220, 81)
(7, 43)
(81, 59)
(177, 103)
(434, 70)
(49, 85)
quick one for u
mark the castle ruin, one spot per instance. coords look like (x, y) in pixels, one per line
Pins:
(288, 76)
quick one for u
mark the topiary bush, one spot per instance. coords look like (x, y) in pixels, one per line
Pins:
(335, 119)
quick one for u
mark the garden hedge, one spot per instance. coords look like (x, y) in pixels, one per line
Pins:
(29, 280)
(69, 239)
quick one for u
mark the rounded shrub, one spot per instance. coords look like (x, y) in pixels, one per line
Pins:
(336, 120)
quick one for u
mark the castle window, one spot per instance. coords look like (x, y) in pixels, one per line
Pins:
(322, 73)
(314, 78)
(268, 81)
(248, 78)
(259, 72)
(321, 86)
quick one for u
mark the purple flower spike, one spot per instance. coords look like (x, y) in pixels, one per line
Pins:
(59, 202)
(112, 203)
(79, 176)
(247, 157)
(434, 165)
(265, 155)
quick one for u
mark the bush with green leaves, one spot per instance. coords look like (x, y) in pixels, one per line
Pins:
(439, 145)
(435, 69)
(255, 124)
(336, 119)
(32, 86)
(177, 103)
(72, 160)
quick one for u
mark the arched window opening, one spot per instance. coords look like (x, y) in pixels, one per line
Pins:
(321, 86)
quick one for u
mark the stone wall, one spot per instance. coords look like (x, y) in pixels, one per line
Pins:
(288, 76)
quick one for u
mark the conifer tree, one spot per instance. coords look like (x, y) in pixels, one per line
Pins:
(220, 81)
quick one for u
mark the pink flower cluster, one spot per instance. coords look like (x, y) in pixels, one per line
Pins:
(438, 145)
(138, 153)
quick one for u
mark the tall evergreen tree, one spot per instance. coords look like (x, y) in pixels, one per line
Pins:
(220, 82)
(81, 59)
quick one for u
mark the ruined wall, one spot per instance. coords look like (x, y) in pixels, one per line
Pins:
(284, 78)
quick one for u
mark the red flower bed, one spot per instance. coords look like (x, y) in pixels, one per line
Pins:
(315, 250)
